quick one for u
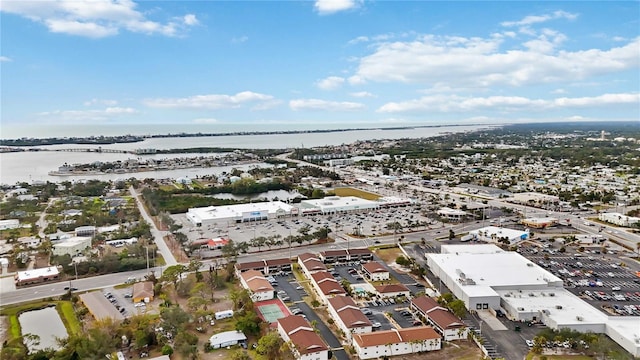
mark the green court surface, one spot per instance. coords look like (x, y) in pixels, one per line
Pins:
(271, 312)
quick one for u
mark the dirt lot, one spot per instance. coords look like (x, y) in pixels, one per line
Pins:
(459, 350)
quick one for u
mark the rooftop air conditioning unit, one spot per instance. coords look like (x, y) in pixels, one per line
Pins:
(552, 294)
(507, 295)
(559, 307)
(529, 264)
(531, 294)
(520, 309)
(579, 318)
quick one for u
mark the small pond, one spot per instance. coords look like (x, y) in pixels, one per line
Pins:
(271, 195)
(46, 324)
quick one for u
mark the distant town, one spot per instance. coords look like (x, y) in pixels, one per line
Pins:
(515, 242)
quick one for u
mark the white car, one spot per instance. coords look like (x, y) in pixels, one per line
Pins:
(529, 343)
(615, 288)
(140, 304)
(376, 325)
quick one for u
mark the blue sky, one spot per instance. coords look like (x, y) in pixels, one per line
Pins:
(341, 61)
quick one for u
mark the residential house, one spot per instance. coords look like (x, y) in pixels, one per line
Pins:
(395, 342)
(306, 344)
(258, 286)
(326, 286)
(348, 316)
(393, 290)
(374, 271)
(141, 291)
(310, 264)
(445, 322)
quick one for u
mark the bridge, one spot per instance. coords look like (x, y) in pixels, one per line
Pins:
(6, 149)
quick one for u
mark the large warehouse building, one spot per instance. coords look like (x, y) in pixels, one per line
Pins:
(240, 213)
(487, 277)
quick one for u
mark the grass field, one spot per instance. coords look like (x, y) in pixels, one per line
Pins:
(347, 191)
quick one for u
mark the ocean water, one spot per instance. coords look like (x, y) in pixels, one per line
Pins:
(34, 166)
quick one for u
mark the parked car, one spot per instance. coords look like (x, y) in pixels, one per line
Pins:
(376, 325)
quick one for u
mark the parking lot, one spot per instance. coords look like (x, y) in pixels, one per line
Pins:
(600, 279)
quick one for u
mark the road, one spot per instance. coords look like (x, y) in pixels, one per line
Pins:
(157, 234)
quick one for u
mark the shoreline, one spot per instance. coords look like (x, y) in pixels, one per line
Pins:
(109, 140)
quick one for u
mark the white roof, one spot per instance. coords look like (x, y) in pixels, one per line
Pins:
(499, 232)
(36, 273)
(498, 269)
(227, 336)
(571, 308)
(471, 249)
(236, 211)
(74, 241)
(337, 202)
(450, 211)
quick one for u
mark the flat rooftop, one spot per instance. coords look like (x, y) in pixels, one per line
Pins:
(500, 269)
(340, 202)
(236, 211)
(563, 307)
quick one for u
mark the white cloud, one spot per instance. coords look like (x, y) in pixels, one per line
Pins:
(205, 121)
(213, 101)
(480, 62)
(455, 103)
(362, 94)
(536, 19)
(239, 40)
(190, 19)
(330, 83)
(88, 115)
(324, 105)
(95, 19)
(95, 101)
(559, 91)
(5, 59)
(325, 7)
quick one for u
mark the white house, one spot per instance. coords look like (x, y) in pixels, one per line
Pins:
(375, 271)
(257, 285)
(396, 342)
(348, 316)
(495, 234)
(306, 343)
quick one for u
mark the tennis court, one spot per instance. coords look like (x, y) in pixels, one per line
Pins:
(272, 310)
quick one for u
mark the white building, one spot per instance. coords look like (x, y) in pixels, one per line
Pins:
(306, 344)
(618, 219)
(445, 322)
(258, 286)
(375, 271)
(451, 214)
(337, 204)
(35, 276)
(326, 286)
(9, 224)
(227, 338)
(395, 342)
(85, 231)
(474, 272)
(239, 213)
(393, 290)
(494, 234)
(486, 277)
(72, 246)
(310, 264)
(348, 316)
